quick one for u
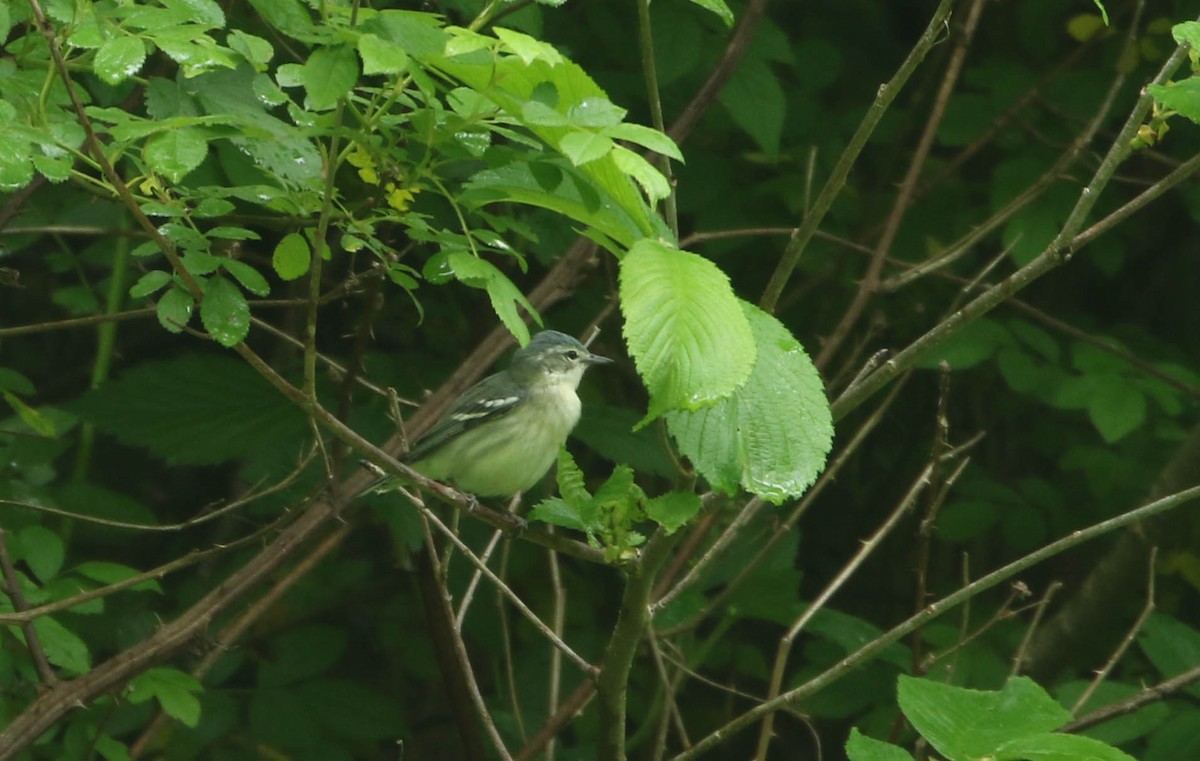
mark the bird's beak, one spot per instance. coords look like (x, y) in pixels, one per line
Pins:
(596, 359)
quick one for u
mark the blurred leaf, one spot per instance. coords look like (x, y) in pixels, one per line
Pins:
(174, 690)
(42, 550)
(195, 410)
(1172, 646)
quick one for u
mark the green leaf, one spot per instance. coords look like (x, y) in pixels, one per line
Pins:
(1054, 746)
(30, 416)
(969, 345)
(119, 59)
(381, 56)
(528, 49)
(757, 102)
(596, 112)
(42, 550)
(479, 273)
(254, 49)
(581, 147)
(558, 186)
(195, 410)
(302, 653)
(112, 573)
(249, 277)
(647, 176)
(62, 646)
(174, 690)
(557, 512)
(176, 152)
(1187, 33)
(1182, 96)
(224, 312)
(962, 723)
(1116, 407)
(288, 16)
(348, 709)
(647, 138)
(328, 76)
(772, 434)
(673, 509)
(1172, 646)
(292, 257)
(718, 7)
(862, 748)
(686, 332)
(174, 309)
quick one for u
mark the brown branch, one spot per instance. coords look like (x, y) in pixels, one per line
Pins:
(869, 284)
(12, 587)
(720, 74)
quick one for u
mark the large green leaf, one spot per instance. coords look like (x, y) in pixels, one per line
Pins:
(689, 337)
(772, 434)
(194, 410)
(964, 724)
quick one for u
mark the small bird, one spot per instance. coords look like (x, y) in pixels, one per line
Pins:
(502, 435)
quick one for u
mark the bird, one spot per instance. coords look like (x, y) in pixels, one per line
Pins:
(502, 434)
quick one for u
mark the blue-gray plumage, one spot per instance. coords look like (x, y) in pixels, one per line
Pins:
(503, 434)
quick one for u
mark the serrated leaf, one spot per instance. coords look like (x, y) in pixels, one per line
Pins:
(224, 312)
(647, 138)
(771, 436)
(1182, 96)
(557, 512)
(288, 16)
(479, 273)
(176, 152)
(1116, 407)
(528, 49)
(328, 75)
(381, 56)
(1187, 33)
(196, 410)
(673, 509)
(963, 723)
(149, 283)
(1054, 746)
(292, 257)
(645, 174)
(174, 309)
(580, 146)
(596, 112)
(63, 647)
(119, 59)
(174, 690)
(42, 550)
(862, 748)
(249, 277)
(687, 334)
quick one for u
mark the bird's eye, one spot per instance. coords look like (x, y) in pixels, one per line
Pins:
(572, 354)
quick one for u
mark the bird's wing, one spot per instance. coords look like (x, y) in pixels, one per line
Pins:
(489, 399)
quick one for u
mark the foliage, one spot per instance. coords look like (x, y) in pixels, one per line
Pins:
(239, 239)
